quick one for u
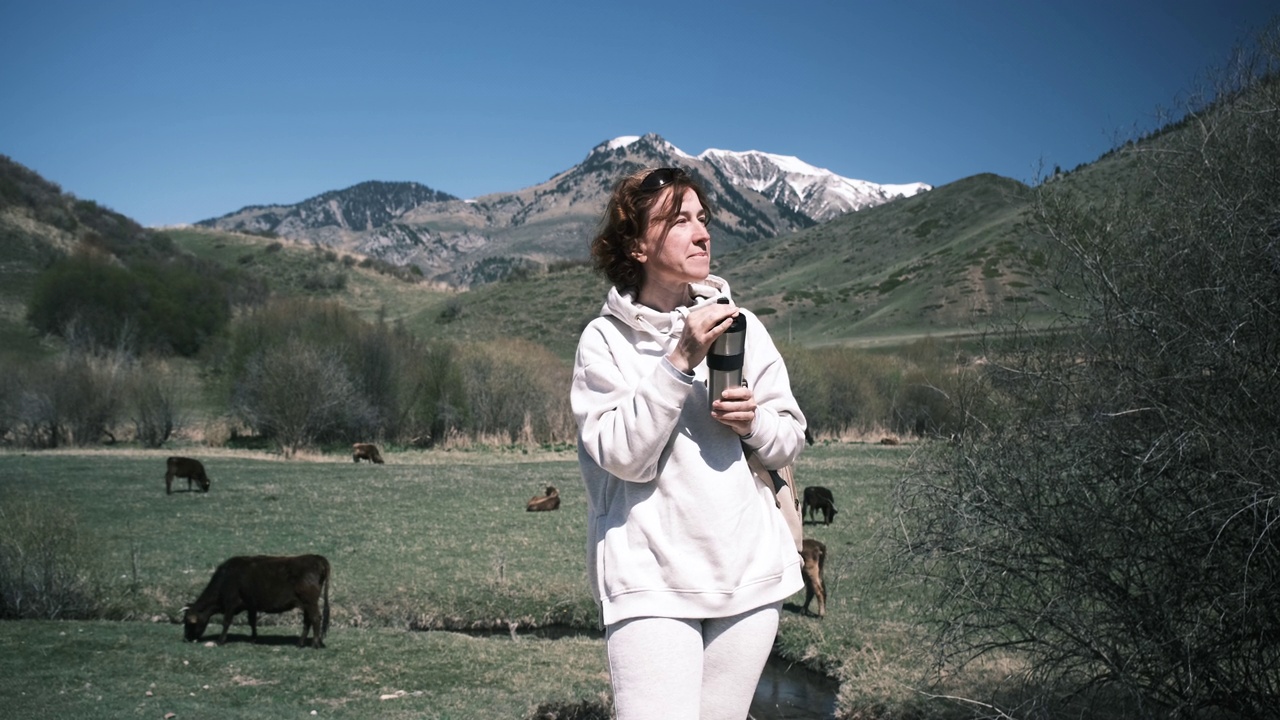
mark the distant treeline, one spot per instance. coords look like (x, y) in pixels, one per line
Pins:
(304, 373)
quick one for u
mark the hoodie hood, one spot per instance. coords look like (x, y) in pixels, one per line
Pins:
(622, 305)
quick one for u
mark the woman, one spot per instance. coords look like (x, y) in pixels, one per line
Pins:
(687, 553)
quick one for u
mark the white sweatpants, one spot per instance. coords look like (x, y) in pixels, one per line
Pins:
(679, 669)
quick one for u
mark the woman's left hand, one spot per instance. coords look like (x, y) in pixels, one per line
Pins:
(736, 407)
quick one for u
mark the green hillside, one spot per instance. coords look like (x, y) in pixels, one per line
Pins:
(940, 263)
(287, 268)
(943, 263)
(38, 224)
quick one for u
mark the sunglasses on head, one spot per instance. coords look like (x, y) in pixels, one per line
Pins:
(661, 178)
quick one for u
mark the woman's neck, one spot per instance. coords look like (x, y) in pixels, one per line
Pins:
(663, 298)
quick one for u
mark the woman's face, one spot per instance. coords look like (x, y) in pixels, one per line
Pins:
(684, 255)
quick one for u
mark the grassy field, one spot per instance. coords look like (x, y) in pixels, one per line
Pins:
(429, 541)
(113, 670)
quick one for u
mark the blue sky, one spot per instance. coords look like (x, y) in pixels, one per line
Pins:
(174, 111)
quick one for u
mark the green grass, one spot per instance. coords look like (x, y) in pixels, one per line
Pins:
(116, 670)
(435, 544)
(429, 541)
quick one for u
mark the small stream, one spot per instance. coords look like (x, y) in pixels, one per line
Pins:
(792, 692)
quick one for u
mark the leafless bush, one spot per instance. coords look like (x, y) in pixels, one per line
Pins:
(153, 397)
(923, 391)
(516, 388)
(1114, 521)
(75, 399)
(46, 565)
(298, 393)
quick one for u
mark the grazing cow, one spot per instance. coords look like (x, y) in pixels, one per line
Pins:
(267, 584)
(550, 501)
(365, 451)
(181, 467)
(817, 498)
(814, 556)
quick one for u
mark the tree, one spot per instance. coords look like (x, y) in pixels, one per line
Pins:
(431, 394)
(153, 400)
(516, 389)
(298, 393)
(93, 301)
(75, 399)
(1114, 518)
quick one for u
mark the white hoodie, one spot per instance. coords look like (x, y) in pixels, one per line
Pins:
(678, 526)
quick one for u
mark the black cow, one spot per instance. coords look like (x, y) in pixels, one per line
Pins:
(539, 503)
(181, 467)
(814, 556)
(267, 584)
(819, 499)
(366, 451)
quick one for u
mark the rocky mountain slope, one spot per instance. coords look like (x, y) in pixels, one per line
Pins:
(470, 242)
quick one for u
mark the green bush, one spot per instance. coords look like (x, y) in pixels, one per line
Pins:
(96, 303)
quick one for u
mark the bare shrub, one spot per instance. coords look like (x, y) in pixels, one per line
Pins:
(298, 393)
(517, 389)
(1113, 520)
(845, 391)
(46, 565)
(10, 394)
(74, 400)
(153, 397)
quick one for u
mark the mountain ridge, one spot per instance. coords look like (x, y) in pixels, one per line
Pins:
(469, 242)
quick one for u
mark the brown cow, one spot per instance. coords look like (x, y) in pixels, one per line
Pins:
(819, 499)
(550, 501)
(365, 451)
(814, 556)
(181, 467)
(263, 583)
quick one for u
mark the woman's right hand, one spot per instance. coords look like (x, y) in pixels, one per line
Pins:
(701, 328)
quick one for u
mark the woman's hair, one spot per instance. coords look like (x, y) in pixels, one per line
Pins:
(628, 216)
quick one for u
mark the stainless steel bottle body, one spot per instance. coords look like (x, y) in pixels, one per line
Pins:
(724, 361)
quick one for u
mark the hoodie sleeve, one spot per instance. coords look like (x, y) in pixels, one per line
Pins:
(625, 416)
(777, 435)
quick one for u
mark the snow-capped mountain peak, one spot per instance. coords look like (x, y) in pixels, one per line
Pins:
(656, 142)
(786, 163)
(465, 242)
(813, 191)
(620, 142)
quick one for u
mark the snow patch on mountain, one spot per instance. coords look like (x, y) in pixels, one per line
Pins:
(813, 191)
(621, 142)
(906, 190)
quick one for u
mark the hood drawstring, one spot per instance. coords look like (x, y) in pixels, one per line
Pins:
(677, 325)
